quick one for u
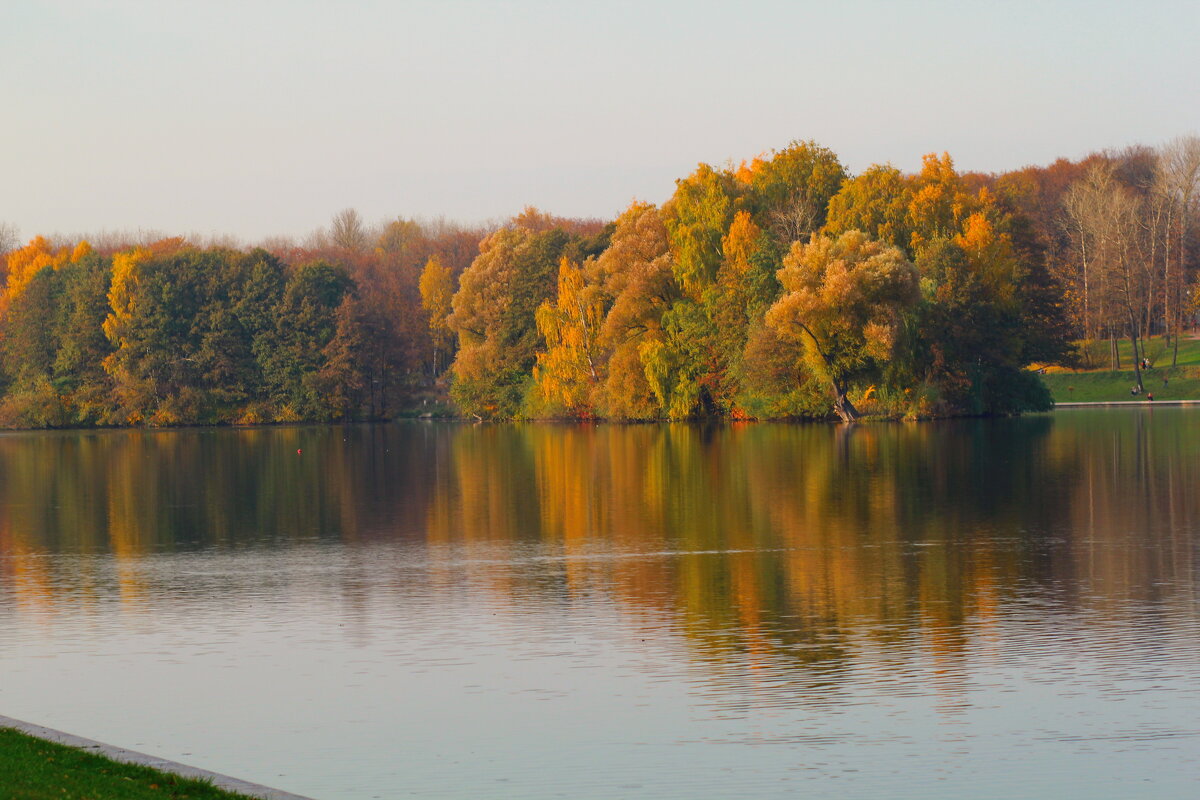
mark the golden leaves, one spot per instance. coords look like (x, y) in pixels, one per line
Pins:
(26, 262)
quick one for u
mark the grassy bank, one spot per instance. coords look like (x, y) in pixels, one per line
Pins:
(34, 769)
(1181, 382)
(1096, 354)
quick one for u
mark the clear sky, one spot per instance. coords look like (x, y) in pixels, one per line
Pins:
(257, 118)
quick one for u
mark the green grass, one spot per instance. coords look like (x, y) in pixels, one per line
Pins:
(1096, 356)
(1103, 385)
(34, 769)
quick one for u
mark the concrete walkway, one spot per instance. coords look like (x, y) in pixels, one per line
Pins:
(141, 759)
(1142, 402)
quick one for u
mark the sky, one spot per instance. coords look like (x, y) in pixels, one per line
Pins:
(257, 118)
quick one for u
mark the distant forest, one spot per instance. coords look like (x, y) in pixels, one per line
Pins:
(783, 287)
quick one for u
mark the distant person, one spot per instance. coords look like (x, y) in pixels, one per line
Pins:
(1150, 397)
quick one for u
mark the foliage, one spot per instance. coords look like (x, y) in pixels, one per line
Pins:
(759, 290)
(169, 334)
(843, 305)
(494, 316)
(566, 372)
(437, 294)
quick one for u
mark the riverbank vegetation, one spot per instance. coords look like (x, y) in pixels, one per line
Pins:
(35, 769)
(781, 287)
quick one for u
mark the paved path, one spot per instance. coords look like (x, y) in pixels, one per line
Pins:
(1142, 402)
(132, 757)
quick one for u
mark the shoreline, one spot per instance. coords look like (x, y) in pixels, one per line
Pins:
(226, 782)
(467, 420)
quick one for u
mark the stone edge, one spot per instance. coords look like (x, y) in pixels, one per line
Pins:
(1142, 403)
(141, 759)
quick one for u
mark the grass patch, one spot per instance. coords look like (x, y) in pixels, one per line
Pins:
(1107, 386)
(1096, 356)
(34, 769)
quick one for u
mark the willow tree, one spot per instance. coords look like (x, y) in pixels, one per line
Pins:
(843, 302)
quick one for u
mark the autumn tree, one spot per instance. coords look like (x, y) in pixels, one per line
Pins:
(1104, 222)
(153, 305)
(637, 277)
(697, 217)
(569, 370)
(348, 231)
(969, 329)
(682, 362)
(494, 317)
(26, 262)
(876, 202)
(1177, 189)
(437, 295)
(843, 303)
(790, 189)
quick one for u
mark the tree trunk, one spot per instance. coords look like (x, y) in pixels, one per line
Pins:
(842, 405)
(1137, 354)
(1137, 363)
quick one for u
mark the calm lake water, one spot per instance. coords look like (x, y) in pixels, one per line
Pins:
(997, 608)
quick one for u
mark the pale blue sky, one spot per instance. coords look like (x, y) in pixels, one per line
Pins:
(261, 118)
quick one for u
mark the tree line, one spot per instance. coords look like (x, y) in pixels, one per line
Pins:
(781, 287)
(165, 332)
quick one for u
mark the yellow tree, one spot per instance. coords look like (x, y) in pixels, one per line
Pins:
(843, 303)
(437, 294)
(570, 368)
(637, 272)
(790, 189)
(133, 392)
(28, 261)
(494, 316)
(876, 202)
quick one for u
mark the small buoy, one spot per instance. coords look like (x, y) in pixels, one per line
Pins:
(297, 451)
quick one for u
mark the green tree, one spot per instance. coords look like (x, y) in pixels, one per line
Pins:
(82, 346)
(697, 217)
(970, 336)
(293, 354)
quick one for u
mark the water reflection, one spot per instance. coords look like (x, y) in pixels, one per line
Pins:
(802, 567)
(818, 525)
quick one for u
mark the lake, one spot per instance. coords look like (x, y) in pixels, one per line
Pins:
(974, 608)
